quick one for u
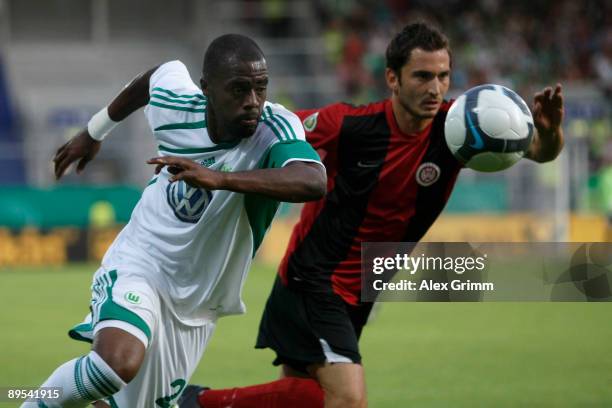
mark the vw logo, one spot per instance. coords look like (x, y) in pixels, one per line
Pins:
(188, 203)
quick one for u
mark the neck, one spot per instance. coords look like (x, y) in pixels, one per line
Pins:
(407, 121)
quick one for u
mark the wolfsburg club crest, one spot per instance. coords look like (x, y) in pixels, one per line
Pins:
(188, 203)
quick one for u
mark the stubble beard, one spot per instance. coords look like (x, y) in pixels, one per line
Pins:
(416, 115)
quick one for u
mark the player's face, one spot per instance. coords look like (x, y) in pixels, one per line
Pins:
(424, 81)
(239, 96)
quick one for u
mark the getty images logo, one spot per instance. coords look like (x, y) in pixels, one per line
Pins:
(187, 202)
(590, 272)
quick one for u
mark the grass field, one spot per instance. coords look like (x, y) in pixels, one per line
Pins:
(415, 354)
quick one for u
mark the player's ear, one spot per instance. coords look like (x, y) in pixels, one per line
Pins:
(204, 86)
(392, 80)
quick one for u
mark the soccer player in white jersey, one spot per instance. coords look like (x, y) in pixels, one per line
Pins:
(226, 159)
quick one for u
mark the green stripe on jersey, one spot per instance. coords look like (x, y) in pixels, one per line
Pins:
(200, 96)
(191, 102)
(284, 123)
(194, 150)
(178, 108)
(273, 129)
(294, 137)
(186, 125)
(279, 125)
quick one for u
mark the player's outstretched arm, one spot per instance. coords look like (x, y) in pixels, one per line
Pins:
(86, 143)
(548, 119)
(296, 182)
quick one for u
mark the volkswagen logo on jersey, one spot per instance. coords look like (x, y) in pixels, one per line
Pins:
(188, 203)
(427, 174)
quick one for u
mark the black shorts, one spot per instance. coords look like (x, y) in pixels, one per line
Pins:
(305, 328)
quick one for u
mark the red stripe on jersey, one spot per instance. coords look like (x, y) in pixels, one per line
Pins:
(392, 202)
(322, 132)
(390, 206)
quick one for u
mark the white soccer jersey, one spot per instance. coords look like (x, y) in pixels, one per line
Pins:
(197, 245)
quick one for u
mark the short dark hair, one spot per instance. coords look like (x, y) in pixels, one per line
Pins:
(415, 35)
(227, 49)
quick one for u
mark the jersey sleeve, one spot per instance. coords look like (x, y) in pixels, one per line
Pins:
(173, 97)
(322, 127)
(290, 142)
(282, 153)
(284, 142)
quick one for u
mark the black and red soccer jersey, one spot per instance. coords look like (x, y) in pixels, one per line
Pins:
(383, 186)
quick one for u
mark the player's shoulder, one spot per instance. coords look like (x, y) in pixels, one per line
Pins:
(341, 109)
(332, 116)
(280, 122)
(446, 105)
(169, 67)
(368, 109)
(174, 96)
(173, 76)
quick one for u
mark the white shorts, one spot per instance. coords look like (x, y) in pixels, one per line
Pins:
(127, 300)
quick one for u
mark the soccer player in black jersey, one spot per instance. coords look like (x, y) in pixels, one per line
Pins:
(390, 175)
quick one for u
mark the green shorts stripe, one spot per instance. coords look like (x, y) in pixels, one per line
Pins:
(77, 332)
(110, 310)
(104, 308)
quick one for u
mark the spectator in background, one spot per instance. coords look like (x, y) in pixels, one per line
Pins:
(605, 188)
(602, 63)
(560, 42)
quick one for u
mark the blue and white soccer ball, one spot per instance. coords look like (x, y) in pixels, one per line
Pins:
(489, 128)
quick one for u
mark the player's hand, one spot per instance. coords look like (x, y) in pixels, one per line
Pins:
(548, 110)
(548, 115)
(189, 171)
(81, 147)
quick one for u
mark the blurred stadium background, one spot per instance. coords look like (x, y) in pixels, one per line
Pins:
(61, 60)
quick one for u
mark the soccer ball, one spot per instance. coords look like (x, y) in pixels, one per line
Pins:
(488, 128)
